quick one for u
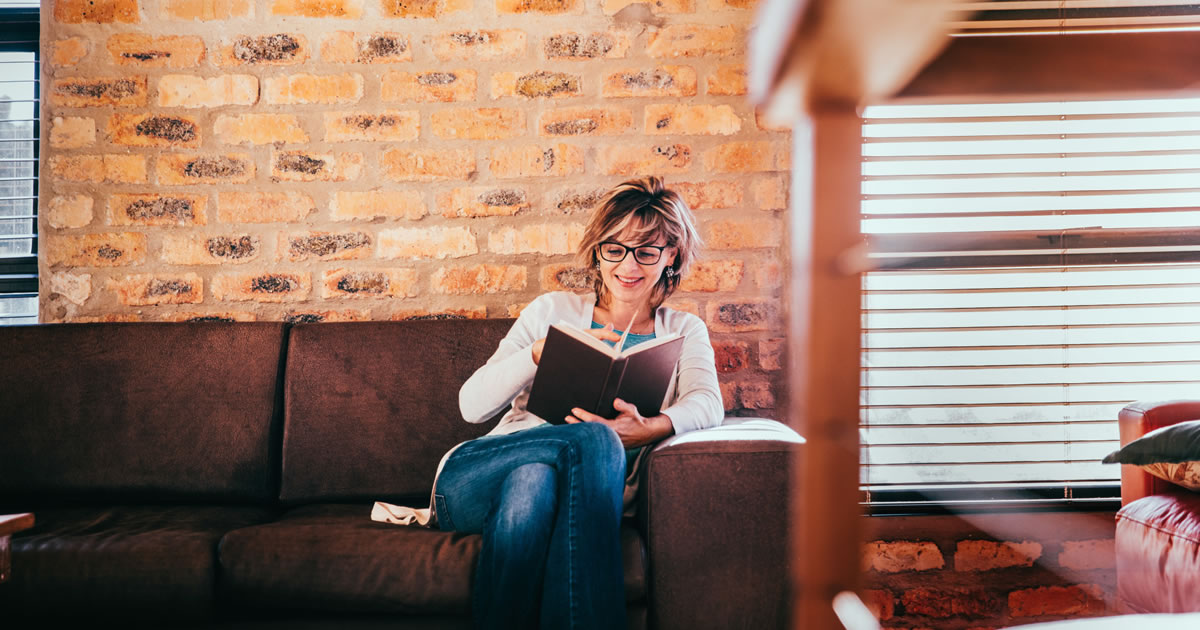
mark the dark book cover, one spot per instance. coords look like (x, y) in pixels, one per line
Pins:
(578, 370)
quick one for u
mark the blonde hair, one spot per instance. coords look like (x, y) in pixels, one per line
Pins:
(652, 210)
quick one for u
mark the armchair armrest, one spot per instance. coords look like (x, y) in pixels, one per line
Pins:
(1138, 419)
(714, 515)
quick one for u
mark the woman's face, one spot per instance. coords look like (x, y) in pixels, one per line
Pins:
(629, 280)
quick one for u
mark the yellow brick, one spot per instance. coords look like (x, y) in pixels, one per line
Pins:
(567, 277)
(533, 161)
(312, 317)
(388, 126)
(189, 249)
(276, 49)
(148, 51)
(410, 315)
(425, 165)
(770, 193)
(429, 87)
(369, 283)
(259, 129)
(478, 279)
(301, 246)
(690, 40)
(691, 120)
(178, 169)
(214, 316)
(547, 239)
(742, 157)
(159, 288)
(709, 194)
(537, 84)
(684, 305)
(259, 207)
(110, 318)
(76, 287)
(263, 287)
(574, 46)
(72, 132)
(302, 166)
(185, 90)
(423, 8)
(539, 6)
(297, 89)
(479, 45)
(482, 201)
(742, 234)
(348, 9)
(727, 80)
(769, 276)
(430, 242)
(69, 211)
(717, 5)
(111, 168)
(154, 130)
(96, 11)
(485, 123)
(96, 250)
(575, 201)
(206, 10)
(741, 315)
(630, 160)
(68, 52)
(660, 81)
(351, 47)
(658, 6)
(713, 275)
(349, 206)
(84, 92)
(585, 121)
(157, 209)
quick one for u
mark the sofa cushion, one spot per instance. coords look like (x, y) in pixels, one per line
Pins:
(142, 560)
(1158, 552)
(103, 412)
(333, 557)
(371, 407)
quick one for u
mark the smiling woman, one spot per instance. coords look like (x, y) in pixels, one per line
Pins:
(533, 488)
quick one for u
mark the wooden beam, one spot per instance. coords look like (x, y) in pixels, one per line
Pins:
(824, 334)
(1091, 65)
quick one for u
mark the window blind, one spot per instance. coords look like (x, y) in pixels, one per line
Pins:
(1039, 16)
(19, 132)
(1038, 267)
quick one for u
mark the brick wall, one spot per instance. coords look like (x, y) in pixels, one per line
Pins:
(988, 571)
(381, 159)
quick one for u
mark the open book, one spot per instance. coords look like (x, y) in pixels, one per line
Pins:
(578, 370)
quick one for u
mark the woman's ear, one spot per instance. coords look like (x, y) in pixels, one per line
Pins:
(671, 257)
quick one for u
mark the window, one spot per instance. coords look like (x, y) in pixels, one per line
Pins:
(1039, 268)
(19, 132)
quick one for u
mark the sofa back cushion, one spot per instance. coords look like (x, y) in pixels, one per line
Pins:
(371, 407)
(140, 411)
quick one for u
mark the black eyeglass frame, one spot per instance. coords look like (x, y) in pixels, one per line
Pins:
(658, 250)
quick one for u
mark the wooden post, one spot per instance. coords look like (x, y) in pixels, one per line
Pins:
(824, 337)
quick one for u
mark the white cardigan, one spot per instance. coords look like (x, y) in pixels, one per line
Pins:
(693, 398)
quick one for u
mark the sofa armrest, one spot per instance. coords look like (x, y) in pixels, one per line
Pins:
(714, 514)
(1138, 419)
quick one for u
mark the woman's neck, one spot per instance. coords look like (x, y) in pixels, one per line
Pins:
(619, 314)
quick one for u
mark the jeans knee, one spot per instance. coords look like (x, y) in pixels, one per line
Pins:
(601, 449)
(527, 499)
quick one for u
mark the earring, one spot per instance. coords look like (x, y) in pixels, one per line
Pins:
(597, 265)
(670, 272)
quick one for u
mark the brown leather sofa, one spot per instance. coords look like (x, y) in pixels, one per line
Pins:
(222, 474)
(1158, 526)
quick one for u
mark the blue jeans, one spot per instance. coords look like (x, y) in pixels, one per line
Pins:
(548, 503)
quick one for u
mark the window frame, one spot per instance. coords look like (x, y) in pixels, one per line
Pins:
(20, 31)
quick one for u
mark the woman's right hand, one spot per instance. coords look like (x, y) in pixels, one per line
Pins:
(603, 334)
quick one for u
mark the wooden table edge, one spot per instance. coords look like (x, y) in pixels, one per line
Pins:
(12, 523)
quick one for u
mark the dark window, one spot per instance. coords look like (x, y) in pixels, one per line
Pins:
(19, 132)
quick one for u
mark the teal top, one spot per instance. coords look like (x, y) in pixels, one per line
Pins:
(632, 340)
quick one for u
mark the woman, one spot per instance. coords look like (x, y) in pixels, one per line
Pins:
(548, 498)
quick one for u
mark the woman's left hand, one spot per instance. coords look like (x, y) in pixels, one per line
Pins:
(631, 427)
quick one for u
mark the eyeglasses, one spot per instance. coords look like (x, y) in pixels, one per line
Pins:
(643, 254)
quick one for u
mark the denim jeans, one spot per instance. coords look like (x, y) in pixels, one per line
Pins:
(548, 503)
